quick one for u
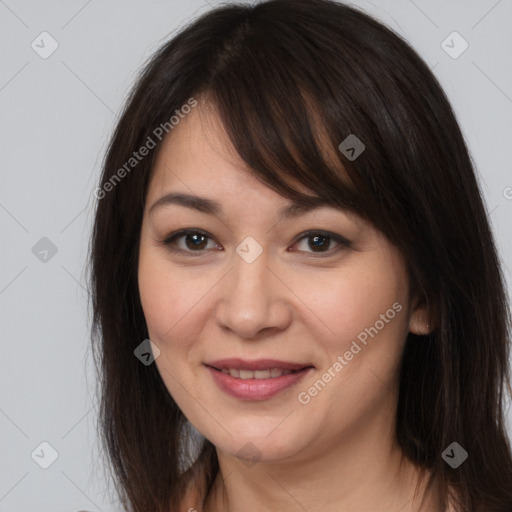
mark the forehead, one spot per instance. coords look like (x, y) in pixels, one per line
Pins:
(199, 136)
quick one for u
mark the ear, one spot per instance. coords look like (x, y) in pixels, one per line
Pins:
(421, 318)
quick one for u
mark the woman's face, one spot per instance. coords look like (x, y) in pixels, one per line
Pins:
(257, 288)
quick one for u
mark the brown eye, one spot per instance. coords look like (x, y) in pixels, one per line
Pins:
(321, 242)
(196, 241)
(189, 241)
(318, 243)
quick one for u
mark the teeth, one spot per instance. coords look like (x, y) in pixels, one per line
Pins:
(245, 374)
(275, 372)
(257, 374)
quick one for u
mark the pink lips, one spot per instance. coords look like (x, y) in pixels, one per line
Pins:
(256, 389)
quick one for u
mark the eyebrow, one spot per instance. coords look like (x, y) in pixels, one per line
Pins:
(212, 207)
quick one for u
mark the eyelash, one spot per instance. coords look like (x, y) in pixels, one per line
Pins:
(341, 241)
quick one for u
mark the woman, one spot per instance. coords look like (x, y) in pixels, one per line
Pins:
(288, 211)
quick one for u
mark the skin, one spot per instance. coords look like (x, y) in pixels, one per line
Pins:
(338, 451)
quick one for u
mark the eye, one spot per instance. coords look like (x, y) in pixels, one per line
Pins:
(197, 241)
(320, 242)
(193, 241)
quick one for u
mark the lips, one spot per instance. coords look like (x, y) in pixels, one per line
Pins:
(256, 380)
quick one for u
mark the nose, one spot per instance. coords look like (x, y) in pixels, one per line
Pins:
(254, 299)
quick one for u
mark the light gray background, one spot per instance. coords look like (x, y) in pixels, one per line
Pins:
(56, 117)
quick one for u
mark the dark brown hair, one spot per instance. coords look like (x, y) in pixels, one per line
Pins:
(290, 79)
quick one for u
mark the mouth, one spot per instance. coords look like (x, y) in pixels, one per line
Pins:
(256, 380)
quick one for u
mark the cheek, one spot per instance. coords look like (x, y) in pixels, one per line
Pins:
(157, 298)
(175, 305)
(363, 310)
(166, 297)
(168, 301)
(347, 302)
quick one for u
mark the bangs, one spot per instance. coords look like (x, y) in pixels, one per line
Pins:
(279, 129)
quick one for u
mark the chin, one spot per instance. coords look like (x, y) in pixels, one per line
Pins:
(260, 441)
